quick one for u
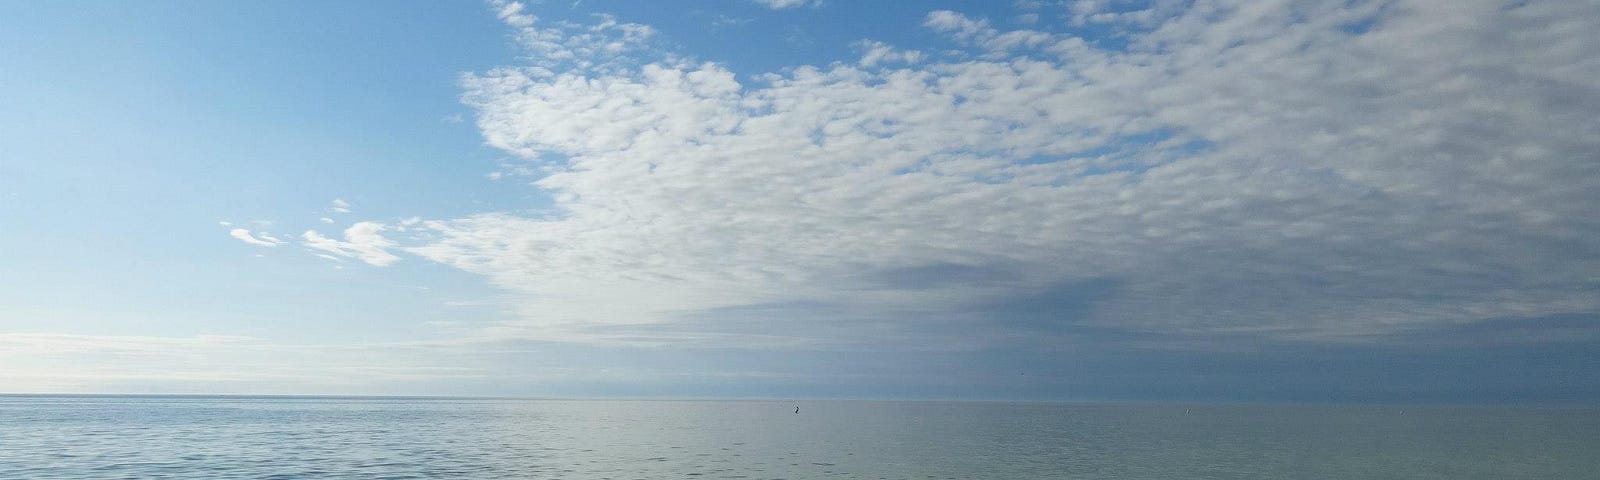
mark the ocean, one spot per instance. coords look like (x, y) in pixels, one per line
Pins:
(221, 437)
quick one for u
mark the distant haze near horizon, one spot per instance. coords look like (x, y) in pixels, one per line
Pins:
(1188, 201)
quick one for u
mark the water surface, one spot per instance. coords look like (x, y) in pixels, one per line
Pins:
(95, 437)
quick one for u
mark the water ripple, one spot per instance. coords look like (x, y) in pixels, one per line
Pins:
(48, 438)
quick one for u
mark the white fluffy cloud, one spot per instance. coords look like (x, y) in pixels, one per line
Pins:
(1285, 169)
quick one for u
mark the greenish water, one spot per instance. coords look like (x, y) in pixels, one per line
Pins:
(50, 437)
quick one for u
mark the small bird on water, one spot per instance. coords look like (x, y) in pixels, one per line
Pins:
(796, 409)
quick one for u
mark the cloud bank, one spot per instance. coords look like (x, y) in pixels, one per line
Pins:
(1282, 170)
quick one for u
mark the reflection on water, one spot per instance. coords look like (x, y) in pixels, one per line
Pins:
(46, 437)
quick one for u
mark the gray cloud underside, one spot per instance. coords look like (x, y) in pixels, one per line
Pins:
(1292, 170)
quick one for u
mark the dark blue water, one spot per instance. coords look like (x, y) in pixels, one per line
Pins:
(50, 437)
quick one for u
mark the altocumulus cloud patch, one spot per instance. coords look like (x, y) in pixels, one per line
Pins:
(1289, 170)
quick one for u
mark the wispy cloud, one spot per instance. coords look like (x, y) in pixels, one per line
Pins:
(600, 46)
(363, 240)
(727, 21)
(339, 206)
(875, 53)
(784, 4)
(260, 239)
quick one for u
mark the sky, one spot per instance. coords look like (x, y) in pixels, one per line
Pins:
(1098, 200)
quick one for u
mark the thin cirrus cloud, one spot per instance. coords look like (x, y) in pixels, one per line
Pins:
(784, 4)
(260, 239)
(1283, 170)
(363, 241)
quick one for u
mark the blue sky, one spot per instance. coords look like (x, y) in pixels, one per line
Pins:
(1100, 200)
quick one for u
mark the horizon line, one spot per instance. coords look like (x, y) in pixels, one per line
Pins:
(1213, 403)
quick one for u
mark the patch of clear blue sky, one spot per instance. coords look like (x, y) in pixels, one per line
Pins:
(129, 129)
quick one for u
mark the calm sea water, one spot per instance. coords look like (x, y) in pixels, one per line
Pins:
(53, 437)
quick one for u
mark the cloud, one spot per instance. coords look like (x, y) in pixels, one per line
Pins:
(979, 32)
(362, 240)
(339, 206)
(569, 46)
(511, 13)
(1284, 170)
(261, 239)
(727, 21)
(875, 53)
(785, 4)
